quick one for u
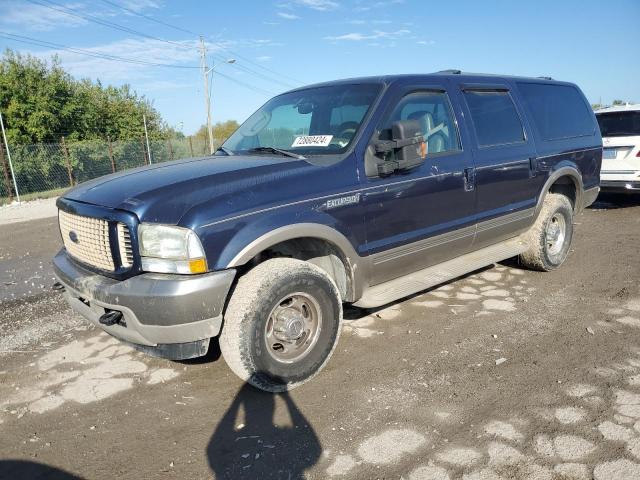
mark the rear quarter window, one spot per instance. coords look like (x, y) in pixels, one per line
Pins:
(557, 111)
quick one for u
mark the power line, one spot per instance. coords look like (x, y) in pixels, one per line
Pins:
(41, 43)
(103, 56)
(160, 22)
(69, 11)
(246, 85)
(166, 24)
(91, 18)
(264, 77)
(299, 82)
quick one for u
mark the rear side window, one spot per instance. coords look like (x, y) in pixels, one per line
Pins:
(619, 124)
(558, 111)
(495, 118)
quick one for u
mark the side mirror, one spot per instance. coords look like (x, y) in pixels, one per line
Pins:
(405, 150)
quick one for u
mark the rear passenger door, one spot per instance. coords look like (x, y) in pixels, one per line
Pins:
(504, 154)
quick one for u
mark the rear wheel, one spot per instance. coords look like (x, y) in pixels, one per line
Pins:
(550, 237)
(282, 324)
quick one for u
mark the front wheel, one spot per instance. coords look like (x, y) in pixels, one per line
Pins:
(282, 324)
(550, 237)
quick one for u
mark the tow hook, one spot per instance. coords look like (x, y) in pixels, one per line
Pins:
(58, 287)
(110, 318)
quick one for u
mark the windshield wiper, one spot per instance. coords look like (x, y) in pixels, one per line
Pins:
(225, 150)
(285, 153)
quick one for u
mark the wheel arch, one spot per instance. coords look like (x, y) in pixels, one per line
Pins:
(566, 180)
(321, 244)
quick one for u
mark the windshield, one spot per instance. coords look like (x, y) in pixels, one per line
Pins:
(315, 121)
(619, 124)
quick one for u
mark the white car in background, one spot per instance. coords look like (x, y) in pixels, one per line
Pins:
(620, 128)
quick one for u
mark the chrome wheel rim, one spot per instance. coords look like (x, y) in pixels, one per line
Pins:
(293, 327)
(555, 234)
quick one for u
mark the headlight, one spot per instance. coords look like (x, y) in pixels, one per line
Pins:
(169, 249)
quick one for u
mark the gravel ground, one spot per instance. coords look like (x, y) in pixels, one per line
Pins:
(26, 250)
(27, 211)
(503, 374)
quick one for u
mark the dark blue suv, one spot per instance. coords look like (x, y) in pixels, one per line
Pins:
(358, 191)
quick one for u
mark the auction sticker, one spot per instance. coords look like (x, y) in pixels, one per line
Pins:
(312, 141)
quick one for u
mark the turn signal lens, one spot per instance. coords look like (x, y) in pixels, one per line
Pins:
(198, 265)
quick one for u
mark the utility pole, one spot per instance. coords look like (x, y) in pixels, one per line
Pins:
(146, 134)
(4, 135)
(207, 98)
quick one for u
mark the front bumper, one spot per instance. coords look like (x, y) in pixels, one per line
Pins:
(158, 309)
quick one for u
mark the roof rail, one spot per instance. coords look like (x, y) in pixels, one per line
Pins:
(546, 78)
(451, 71)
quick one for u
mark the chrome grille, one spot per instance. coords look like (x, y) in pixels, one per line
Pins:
(124, 245)
(91, 235)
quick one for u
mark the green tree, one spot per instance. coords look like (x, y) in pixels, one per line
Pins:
(221, 131)
(41, 102)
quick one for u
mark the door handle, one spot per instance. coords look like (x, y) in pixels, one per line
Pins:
(469, 179)
(533, 166)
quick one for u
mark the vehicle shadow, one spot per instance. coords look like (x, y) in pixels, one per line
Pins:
(18, 469)
(614, 201)
(262, 435)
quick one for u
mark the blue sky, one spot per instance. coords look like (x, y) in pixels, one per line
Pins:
(284, 43)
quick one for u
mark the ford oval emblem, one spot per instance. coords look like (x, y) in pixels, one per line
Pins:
(73, 236)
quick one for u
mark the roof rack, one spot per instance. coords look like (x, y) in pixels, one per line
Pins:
(546, 78)
(451, 71)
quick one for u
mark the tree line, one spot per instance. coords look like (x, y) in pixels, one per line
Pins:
(64, 130)
(41, 102)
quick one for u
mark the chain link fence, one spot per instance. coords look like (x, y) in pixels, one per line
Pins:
(46, 170)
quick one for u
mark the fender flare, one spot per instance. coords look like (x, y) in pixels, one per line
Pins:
(565, 171)
(356, 266)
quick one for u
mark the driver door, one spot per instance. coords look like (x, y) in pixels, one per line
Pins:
(422, 216)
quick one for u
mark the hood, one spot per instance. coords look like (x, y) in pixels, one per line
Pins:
(165, 192)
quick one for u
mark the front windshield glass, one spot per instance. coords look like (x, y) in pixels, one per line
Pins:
(314, 121)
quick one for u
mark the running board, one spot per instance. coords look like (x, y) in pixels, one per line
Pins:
(397, 288)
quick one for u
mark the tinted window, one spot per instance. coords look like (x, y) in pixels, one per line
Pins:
(495, 118)
(558, 111)
(432, 111)
(619, 124)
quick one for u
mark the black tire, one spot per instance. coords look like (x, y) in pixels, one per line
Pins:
(543, 253)
(247, 337)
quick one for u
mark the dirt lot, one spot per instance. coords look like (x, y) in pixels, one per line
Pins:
(505, 374)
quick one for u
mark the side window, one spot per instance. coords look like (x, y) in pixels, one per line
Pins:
(495, 118)
(432, 111)
(558, 111)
